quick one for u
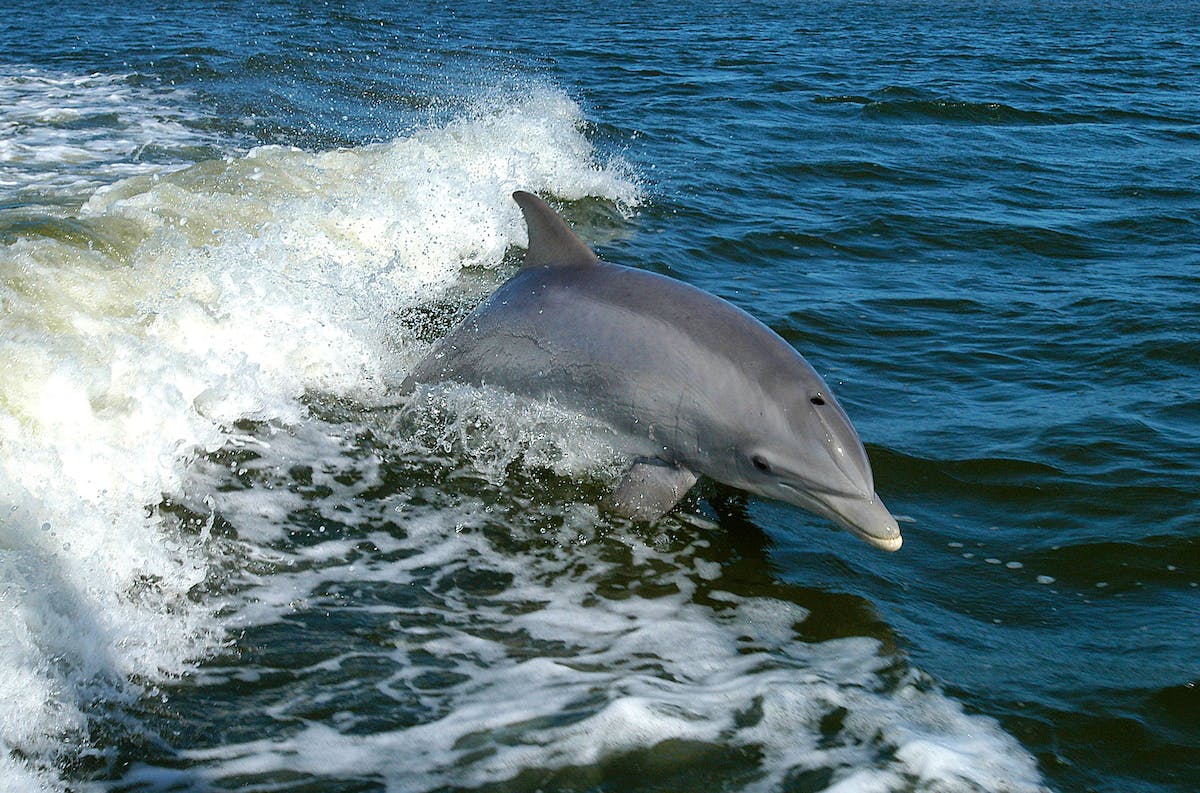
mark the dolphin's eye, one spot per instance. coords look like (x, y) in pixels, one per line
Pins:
(760, 463)
(817, 399)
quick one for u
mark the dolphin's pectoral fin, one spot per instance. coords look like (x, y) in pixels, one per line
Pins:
(649, 489)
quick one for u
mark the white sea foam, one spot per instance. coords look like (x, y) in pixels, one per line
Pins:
(63, 134)
(179, 304)
(545, 672)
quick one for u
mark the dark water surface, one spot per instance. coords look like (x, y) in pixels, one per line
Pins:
(225, 563)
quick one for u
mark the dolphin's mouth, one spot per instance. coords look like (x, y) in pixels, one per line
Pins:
(883, 543)
(864, 517)
(867, 518)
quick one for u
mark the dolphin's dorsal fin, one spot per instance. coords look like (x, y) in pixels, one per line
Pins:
(551, 241)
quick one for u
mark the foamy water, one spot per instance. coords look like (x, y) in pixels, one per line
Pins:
(62, 135)
(591, 643)
(180, 303)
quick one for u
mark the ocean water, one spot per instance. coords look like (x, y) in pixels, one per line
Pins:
(230, 560)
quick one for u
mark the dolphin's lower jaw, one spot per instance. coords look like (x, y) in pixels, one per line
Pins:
(867, 518)
(863, 517)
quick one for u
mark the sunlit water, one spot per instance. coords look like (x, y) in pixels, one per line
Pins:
(230, 560)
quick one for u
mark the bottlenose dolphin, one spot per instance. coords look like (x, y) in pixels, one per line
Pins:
(692, 384)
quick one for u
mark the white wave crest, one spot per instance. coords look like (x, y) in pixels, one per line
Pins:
(174, 305)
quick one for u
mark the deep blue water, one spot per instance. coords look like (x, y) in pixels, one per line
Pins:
(980, 223)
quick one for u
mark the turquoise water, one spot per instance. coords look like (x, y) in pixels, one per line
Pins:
(228, 561)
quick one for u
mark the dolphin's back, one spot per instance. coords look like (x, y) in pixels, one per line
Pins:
(626, 344)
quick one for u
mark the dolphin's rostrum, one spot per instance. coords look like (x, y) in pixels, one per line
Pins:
(694, 385)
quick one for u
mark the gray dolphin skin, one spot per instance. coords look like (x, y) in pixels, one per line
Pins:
(692, 385)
